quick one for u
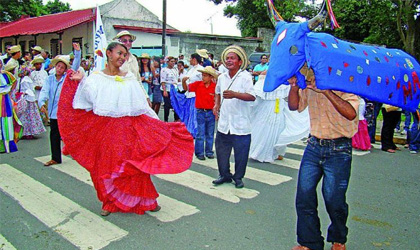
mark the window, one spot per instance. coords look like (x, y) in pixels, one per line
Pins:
(55, 47)
(23, 46)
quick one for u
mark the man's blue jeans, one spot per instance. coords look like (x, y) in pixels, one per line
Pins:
(331, 161)
(205, 133)
(240, 145)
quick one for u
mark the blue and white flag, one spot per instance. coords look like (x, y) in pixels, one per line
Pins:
(100, 43)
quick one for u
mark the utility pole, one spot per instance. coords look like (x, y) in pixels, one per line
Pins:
(164, 29)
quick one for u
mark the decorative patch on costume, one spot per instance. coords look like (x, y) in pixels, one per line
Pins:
(281, 36)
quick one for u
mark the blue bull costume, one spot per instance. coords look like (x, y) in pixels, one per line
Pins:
(385, 75)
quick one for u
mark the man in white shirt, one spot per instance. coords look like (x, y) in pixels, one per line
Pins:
(39, 75)
(234, 94)
(131, 63)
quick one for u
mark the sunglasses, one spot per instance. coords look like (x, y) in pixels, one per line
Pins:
(126, 40)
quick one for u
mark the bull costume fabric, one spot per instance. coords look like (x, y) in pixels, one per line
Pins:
(380, 74)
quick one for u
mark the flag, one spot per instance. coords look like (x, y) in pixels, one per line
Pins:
(100, 43)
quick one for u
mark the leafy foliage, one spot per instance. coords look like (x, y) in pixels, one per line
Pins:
(394, 23)
(13, 9)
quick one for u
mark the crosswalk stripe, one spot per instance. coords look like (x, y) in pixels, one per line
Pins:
(171, 209)
(5, 244)
(78, 225)
(286, 162)
(251, 173)
(203, 184)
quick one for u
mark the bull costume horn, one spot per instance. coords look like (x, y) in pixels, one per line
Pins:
(275, 17)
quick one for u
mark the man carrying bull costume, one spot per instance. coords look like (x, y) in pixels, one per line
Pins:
(328, 155)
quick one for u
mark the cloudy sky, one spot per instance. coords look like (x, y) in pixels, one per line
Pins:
(184, 15)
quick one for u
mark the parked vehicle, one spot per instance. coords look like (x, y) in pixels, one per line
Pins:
(255, 58)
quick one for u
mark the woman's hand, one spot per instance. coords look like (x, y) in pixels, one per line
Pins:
(76, 46)
(77, 76)
(165, 93)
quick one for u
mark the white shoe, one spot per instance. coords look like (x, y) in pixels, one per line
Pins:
(403, 132)
(413, 152)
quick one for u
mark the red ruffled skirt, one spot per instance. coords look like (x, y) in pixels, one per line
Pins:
(361, 139)
(122, 153)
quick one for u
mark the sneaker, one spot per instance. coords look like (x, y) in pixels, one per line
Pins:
(403, 132)
(413, 152)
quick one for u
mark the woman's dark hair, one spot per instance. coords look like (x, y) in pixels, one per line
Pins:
(113, 45)
(181, 62)
(142, 66)
(197, 57)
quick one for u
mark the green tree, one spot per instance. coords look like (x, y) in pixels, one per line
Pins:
(13, 9)
(252, 14)
(56, 7)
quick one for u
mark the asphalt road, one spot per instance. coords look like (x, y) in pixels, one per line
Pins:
(49, 208)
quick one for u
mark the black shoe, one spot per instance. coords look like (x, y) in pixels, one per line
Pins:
(210, 156)
(222, 180)
(239, 184)
(200, 157)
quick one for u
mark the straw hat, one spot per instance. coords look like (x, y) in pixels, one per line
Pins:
(237, 50)
(14, 49)
(209, 70)
(202, 53)
(125, 33)
(38, 48)
(61, 58)
(38, 59)
(145, 55)
(10, 65)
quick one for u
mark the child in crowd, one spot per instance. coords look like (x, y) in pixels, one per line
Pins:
(204, 103)
(361, 139)
(27, 108)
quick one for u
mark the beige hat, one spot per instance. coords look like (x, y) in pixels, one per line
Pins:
(202, 53)
(38, 48)
(237, 50)
(61, 58)
(125, 33)
(209, 70)
(144, 55)
(10, 65)
(38, 59)
(14, 49)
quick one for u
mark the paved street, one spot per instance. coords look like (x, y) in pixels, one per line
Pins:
(57, 207)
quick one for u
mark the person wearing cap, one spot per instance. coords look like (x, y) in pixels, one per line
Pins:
(328, 155)
(234, 96)
(37, 50)
(204, 102)
(10, 126)
(51, 92)
(131, 65)
(38, 75)
(16, 54)
(168, 80)
(205, 55)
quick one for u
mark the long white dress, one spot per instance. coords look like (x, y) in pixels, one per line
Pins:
(274, 126)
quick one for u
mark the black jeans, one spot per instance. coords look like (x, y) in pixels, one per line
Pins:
(167, 107)
(387, 134)
(55, 141)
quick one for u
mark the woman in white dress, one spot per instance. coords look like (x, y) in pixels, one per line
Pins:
(274, 126)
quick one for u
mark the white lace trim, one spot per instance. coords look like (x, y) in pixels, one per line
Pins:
(112, 96)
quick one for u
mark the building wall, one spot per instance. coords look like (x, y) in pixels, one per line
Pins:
(213, 44)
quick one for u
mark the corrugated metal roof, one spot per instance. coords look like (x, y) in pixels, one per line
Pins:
(47, 24)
